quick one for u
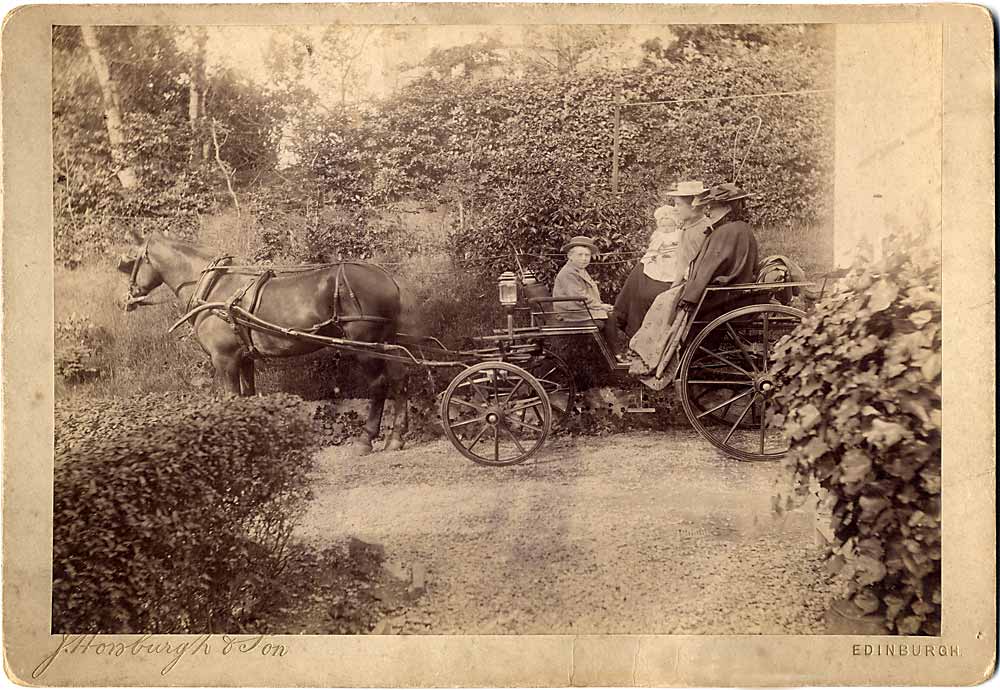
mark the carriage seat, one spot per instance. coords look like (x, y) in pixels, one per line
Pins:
(545, 316)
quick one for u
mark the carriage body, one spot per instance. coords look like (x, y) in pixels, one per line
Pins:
(501, 412)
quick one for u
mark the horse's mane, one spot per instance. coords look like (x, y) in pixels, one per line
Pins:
(190, 250)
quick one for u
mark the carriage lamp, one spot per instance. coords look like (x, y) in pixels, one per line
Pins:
(508, 288)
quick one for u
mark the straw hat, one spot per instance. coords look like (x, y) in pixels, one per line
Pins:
(581, 241)
(687, 188)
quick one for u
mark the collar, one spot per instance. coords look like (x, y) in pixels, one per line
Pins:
(582, 272)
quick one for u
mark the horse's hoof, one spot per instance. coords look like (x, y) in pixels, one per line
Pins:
(395, 443)
(361, 447)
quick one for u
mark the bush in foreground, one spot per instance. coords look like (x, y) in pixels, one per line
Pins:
(173, 513)
(860, 390)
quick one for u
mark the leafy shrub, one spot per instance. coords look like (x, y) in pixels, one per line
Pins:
(172, 513)
(860, 394)
(78, 344)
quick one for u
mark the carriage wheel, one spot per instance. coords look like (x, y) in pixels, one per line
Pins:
(725, 385)
(558, 381)
(496, 413)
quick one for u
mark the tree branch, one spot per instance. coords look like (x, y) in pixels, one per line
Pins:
(225, 172)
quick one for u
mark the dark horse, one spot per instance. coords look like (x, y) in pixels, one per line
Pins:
(327, 296)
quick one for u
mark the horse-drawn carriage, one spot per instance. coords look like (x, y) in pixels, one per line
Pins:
(520, 387)
(510, 387)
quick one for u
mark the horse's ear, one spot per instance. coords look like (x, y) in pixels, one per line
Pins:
(125, 263)
(131, 235)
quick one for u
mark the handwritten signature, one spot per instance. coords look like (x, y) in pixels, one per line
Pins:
(148, 645)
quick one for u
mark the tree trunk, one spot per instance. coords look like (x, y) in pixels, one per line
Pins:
(196, 99)
(112, 109)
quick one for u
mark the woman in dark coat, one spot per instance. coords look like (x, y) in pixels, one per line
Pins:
(729, 254)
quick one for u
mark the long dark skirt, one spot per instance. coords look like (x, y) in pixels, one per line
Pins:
(635, 299)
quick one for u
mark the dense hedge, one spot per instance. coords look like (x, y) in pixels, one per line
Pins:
(529, 158)
(860, 386)
(172, 513)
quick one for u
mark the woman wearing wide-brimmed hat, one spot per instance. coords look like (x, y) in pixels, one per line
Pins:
(679, 232)
(574, 281)
(729, 254)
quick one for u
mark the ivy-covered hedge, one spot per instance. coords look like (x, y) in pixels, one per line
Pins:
(860, 390)
(172, 513)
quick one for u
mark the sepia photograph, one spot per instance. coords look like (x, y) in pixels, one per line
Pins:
(497, 327)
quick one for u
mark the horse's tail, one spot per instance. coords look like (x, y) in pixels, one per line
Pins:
(410, 317)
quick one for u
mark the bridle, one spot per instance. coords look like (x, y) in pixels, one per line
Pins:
(133, 298)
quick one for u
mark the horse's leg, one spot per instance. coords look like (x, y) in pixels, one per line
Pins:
(375, 371)
(219, 342)
(377, 389)
(400, 405)
(227, 368)
(248, 383)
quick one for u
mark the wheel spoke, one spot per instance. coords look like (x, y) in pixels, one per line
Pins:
(740, 420)
(485, 397)
(514, 439)
(719, 382)
(496, 444)
(739, 344)
(763, 422)
(466, 403)
(745, 393)
(727, 361)
(513, 390)
(525, 424)
(466, 422)
(478, 436)
(766, 365)
(547, 373)
(523, 404)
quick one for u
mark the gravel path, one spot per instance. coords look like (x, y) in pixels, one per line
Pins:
(636, 533)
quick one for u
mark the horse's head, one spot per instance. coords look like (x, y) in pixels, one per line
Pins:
(143, 277)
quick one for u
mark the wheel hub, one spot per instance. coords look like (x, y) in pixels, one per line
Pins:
(764, 385)
(492, 418)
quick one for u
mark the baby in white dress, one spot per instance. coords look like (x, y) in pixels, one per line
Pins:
(660, 260)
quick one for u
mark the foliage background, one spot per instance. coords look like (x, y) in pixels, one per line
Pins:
(478, 149)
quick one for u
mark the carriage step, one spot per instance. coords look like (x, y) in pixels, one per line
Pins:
(640, 406)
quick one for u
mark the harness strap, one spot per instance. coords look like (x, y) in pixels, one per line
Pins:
(341, 279)
(207, 280)
(254, 288)
(244, 332)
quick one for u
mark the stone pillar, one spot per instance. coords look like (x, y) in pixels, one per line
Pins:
(888, 134)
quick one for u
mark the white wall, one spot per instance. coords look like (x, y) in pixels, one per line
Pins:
(888, 133)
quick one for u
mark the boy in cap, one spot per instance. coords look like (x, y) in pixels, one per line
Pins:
(574, 281)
